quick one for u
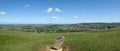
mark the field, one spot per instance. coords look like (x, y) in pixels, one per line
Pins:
(103, 40)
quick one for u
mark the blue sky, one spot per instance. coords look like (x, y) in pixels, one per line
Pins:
(58, 11)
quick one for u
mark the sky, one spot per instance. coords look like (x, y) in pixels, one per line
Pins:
(59, 11)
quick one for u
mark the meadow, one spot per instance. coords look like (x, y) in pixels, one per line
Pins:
(101, 40)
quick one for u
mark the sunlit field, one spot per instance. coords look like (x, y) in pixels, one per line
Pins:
(103, 40)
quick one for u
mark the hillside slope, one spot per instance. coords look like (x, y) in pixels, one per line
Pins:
(104, 40)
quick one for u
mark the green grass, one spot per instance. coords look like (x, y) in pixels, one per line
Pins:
(105, 40)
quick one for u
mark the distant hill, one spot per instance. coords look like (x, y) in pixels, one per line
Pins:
(59, 28)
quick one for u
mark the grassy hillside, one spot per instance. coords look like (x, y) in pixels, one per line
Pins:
(104, 40)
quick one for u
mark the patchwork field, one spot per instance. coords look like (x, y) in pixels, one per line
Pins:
(105, 40)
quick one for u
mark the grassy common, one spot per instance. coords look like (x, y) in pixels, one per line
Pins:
(104, 40)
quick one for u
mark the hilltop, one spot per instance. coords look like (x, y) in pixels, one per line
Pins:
(95, 40)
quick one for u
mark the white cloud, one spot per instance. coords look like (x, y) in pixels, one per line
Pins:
(76, 17)
(57, 10)
(27, 6)
(49, 10)
(2, 13)
(55, 17)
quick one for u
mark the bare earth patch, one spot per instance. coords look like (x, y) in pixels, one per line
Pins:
(68, 48)
(47, 48)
